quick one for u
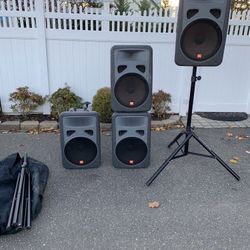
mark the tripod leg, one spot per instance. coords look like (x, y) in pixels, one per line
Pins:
(176, 139)
(237, 177)
(186, 148)
(166, 162)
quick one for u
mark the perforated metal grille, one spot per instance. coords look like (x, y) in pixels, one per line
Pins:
(80, 151)
(131, 90)
(201, 39)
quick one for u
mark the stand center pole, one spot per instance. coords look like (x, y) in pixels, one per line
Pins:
(194, 78)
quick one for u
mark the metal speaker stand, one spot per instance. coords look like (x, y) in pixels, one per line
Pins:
(188, 133)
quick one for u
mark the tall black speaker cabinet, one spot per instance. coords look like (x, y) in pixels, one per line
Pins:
(131, 140)
(201, 32)
(131, 78)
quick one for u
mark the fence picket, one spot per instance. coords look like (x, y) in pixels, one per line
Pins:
(47, 22)
(91, 21)
(32, 7)
(20, 5)
(14, 7)
(53, 20)
(118, 22)
(8, 5)
(170, 12)
(132, 26)
(248, 16)
(85, 19)
(8, 19)
(64, 11)
(25, 9)
(58, 19)
(3, 20)
(25, 4)
(52, 6)
(81, 21)
(243, 27)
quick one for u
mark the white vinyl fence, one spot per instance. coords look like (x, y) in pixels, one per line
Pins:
(45, 45)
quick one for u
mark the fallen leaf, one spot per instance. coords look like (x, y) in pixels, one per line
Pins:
(107, 134)
(154, 204)
(236, 158)
(105, 130)
(230, 134)
(43, 130)
(233, 161)
(48, 129)
(241, 137)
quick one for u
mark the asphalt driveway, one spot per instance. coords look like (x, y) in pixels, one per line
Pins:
(202, 205)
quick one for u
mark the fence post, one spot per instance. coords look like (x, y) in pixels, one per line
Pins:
(105, 12)
(42, 50)
(184, 90)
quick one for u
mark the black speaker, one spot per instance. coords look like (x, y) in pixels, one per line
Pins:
(201, 32)
(80, 139)
(131, 140)
(131, 78)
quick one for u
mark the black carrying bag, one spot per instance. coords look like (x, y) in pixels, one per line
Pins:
(9, 169)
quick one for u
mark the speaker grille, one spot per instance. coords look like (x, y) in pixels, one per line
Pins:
(201, 39)
(131, 151)
(131, 90)
(80, 151)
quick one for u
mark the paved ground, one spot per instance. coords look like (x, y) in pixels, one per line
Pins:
(200, 122)
(202, 205)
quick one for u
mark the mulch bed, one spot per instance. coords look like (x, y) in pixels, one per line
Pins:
(155, 118)
(41, 117)
(224, 116)
(32, 117)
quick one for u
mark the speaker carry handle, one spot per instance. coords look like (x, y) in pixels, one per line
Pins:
(85, 107)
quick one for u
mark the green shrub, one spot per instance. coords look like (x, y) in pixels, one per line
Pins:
(25, 101)
(161, 101)
(62, 100)
(144, 5)
(102, 104)
(123, 6)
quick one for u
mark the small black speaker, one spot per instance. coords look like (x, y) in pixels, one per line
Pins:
(131, 78)
(131, 140)
(80, 139)
(201, 32)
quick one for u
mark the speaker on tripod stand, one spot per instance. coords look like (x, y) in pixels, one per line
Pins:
(201, 32)
(200, 41)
